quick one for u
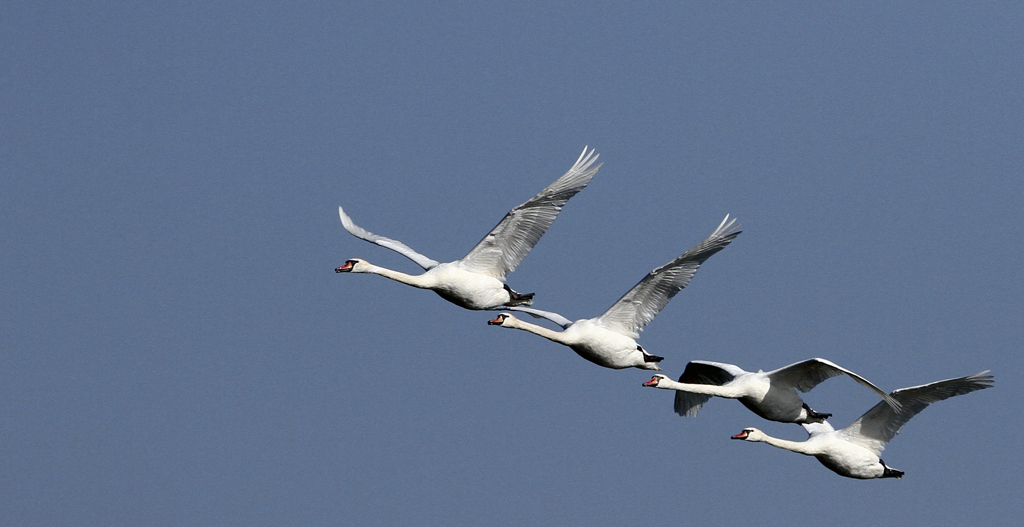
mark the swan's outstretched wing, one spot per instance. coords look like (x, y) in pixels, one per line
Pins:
(394, 245)
(702, 372)
(807, 374)
(642, 303)
(537, 313)
(707, 372)
(814, 429)
(881, 423)
(504, 248)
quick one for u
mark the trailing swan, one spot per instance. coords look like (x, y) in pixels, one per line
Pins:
(771, 395)
(854, 451)
(609, 340)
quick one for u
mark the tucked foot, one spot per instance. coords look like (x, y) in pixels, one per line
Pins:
(889, 472)
(815, 417)
(648, 357)
(518, 299)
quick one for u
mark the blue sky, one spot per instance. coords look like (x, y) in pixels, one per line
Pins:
(179, 351)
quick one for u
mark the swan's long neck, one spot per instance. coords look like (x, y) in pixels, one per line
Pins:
(556, 336)
(800, 447)
(413, 280)
(730, 392)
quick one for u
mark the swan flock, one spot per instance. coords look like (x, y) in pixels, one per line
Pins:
(477, 282)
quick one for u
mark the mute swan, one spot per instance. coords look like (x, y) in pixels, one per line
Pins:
(771, 395)
(853, 451)
(609, 340)
(477, 281)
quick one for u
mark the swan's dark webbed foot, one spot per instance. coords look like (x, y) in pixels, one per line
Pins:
(648, 357)
(889, 472)
(815, 417)
(518, 299)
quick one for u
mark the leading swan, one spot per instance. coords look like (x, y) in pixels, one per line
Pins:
(610, 339)
(477, 281)
(771, 395)
(853, 451)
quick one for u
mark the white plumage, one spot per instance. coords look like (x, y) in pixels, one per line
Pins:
(771, 395)
(854, 451)
(477, 281)
(609, 340)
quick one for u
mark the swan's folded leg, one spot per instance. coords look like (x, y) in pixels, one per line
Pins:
(518, 299)
(816, 416)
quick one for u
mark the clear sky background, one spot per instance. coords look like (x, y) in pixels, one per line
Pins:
(177, 349)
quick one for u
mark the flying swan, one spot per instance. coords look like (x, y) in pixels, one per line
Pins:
(853, 451)
(609, 340)
(771, 395)
(477, 281)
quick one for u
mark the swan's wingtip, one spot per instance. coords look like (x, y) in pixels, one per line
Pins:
(345, 219)
(586, 157)
(727, 225)
(892, 402)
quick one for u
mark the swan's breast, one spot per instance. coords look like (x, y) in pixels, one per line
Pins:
(847, 459)
(602, 346)
(465, 288)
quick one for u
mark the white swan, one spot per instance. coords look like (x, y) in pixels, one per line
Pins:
(853, 451)
(771, 395)
(609, 340)
(477, 281)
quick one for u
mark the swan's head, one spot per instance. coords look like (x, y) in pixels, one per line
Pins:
(504, 320)
(653, 383)
(354, 265)
(750, 434)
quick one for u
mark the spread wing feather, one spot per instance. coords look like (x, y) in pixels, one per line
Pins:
(537, 313)
(702, 372)
(805, 375)
(504, 248)
(394, 245)
(646, 299)
(881, 423)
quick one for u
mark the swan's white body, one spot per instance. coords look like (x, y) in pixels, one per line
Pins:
(771, 395)
(610, 339)
(451, 281)
(477, 281)
(854, 451)
(591, 341)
